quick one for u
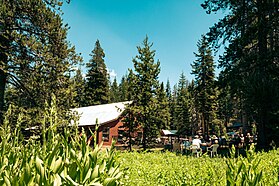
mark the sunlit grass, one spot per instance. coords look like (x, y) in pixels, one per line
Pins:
(166, 168)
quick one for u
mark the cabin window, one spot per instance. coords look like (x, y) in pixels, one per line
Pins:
(120, 136)
(105, 134)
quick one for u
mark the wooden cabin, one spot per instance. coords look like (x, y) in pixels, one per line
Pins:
(108, 118)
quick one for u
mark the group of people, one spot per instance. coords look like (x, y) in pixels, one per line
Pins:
(239, 140)
(206, 143)
(199, 142)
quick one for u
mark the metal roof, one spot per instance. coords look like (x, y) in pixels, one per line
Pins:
(100, 113)
(169, 132)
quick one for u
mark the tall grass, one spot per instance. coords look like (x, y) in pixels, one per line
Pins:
(157, 168)
(57, 159)
(244, 171)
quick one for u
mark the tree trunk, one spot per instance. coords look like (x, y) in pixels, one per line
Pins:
(203, 124)
(130, 132)
(262, 140)
(3, 79)
(4, 45)
(144, 138)
(261, 71)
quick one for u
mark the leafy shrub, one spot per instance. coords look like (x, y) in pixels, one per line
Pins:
(57, 160)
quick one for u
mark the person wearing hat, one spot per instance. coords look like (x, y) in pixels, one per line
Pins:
(196, 146)
(214, 140)
(197, 141)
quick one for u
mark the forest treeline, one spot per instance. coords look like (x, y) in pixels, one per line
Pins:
(37, 61)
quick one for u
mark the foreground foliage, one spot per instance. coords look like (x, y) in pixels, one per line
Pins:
(158, 168)
(54, 160)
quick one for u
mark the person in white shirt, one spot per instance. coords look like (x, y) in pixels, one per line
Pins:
(197, 141)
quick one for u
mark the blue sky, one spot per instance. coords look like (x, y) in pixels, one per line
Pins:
(174, 27)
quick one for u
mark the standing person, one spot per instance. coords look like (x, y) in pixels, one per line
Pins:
(187, 145)
(248, 140)
(242, 140)
(196, 146)
(197, 142)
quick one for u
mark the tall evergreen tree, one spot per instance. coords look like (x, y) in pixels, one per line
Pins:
(226, 102)
(182, 107)
(132, 82)
(173, 118)
(147, 71)
(114, 92)
(97, 85)
(163, 110)
(168, 90)
(250, 62)
(130, 121)
(123, 89)
(34, 54)
(169, 99)
(203, 69)
(193, 108)
(78, 82)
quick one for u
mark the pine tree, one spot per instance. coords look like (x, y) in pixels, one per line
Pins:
(203, 69)
(114, 92)
(168, 90)
(193, 108)
(130, 121)
(147, 71)
(169, 99)
(250, 62)
(226, 101)
(35, 55)
(163, 110)
(97, 84)
(173, 105)
(78, 82)
(182, 107)
(123, 89)
(132, 82)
